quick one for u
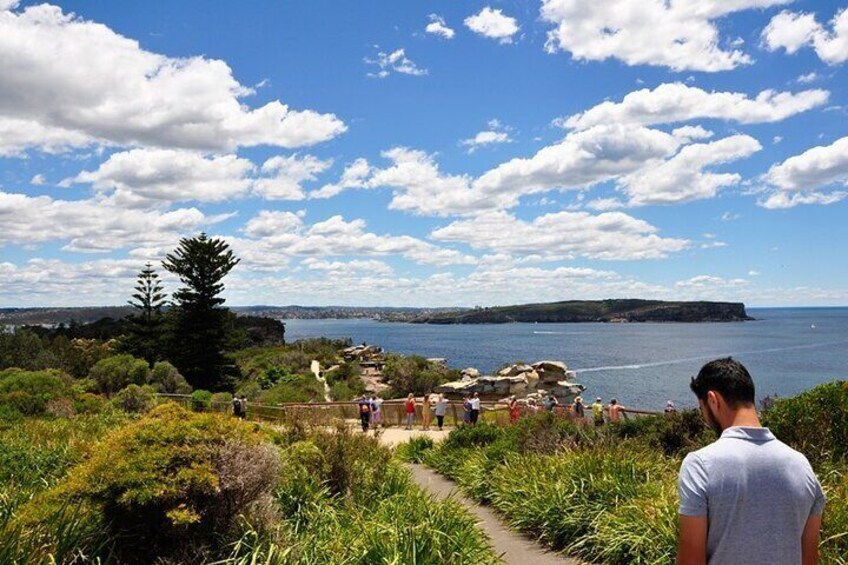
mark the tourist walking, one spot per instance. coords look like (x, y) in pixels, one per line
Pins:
(748, 497)
(578, 409)
(514, 413)
(441, 410)
(466, 410)
(410, 411)
(376, 411)
(236, 406)
(364, 404)
(615, 410)
(425, 412)
(475, 408)
(598, 412)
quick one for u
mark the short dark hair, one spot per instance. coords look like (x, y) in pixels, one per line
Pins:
(728, 377)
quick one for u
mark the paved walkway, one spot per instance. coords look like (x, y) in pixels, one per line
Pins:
(513, 548)
(395, 436)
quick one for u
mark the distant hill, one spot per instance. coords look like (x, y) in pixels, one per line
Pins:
(87, 315)
(620, 310)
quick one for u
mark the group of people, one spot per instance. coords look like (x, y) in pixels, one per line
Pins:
(370, 411)
(613, 412)
(240, 406)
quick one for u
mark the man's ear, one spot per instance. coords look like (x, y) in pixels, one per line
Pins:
(714, 400)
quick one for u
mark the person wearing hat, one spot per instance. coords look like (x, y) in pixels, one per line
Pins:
(578, 409)
(598, 412)
(669, 407)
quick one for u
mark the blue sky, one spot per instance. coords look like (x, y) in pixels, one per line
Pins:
(428, 154)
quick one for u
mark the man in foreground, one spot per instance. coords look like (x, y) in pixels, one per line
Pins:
(747, 498)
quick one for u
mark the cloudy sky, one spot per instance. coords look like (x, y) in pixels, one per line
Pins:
(436, 153)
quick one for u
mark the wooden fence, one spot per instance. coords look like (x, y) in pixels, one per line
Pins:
(393, 411)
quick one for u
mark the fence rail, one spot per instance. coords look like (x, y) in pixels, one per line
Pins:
(393, 411)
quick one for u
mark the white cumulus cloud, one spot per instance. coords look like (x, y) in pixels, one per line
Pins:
(817, 176)
(678, 35)
(289, 174)
(68, 82)
(141, 177)
(677, 102)
(396, 61)
(682, 178)
(93, 225)
(437, 26)
(792, 31)
(492, 23)
(563, 235)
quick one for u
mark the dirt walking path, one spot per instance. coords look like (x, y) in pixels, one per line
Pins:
(513, 548)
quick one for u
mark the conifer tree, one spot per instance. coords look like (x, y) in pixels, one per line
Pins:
(145, 335)
(200, 322)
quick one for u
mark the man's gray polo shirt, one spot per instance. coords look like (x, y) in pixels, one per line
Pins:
(757, 493)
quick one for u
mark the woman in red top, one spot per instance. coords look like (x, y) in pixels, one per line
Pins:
(410, 411)
(514, 413)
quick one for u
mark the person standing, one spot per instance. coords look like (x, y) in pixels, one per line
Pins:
(514, 413)
(551, 402)
(748, 497)
(598, 412)
(441, 410)
(466, 410)
(236, 406)
(376, 411)
(475, 408)
(615, 410)
(578, 409)
(425, 412)
(669, 407)
(364, 404)
(410, 410)
(243, 407)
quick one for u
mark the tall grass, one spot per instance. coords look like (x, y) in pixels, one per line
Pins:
(341, 497)
(610, 496)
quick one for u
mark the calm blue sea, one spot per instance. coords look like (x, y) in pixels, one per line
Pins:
(787, 350)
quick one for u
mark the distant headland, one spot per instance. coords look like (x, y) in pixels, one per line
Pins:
(613, 310)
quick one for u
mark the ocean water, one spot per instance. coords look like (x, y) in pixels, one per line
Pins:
(787, 350)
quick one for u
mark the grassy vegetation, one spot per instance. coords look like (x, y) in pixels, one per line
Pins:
(201, 487)
(610, 496)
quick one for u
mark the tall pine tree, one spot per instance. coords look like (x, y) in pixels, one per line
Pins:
(145, 335)
(200, 322)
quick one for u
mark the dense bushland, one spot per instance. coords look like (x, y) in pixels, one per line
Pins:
(609, 496)
(202, 487)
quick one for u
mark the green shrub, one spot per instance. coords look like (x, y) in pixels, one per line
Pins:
(815, 422)
(167, 379)
(116, 372)
(28, 392)
(834, 545)
(135, 399)
(201, 400)
(675, 434)
(296, 388)
(273, 375)
(87, 403)
(170, 484)
(470, 436)
(414, 450)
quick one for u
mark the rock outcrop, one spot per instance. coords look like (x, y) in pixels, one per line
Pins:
(546, 377)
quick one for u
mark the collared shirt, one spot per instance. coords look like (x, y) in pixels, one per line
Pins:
(757, 494)
(475, 403)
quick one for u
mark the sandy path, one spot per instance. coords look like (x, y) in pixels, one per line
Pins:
(513, 548)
